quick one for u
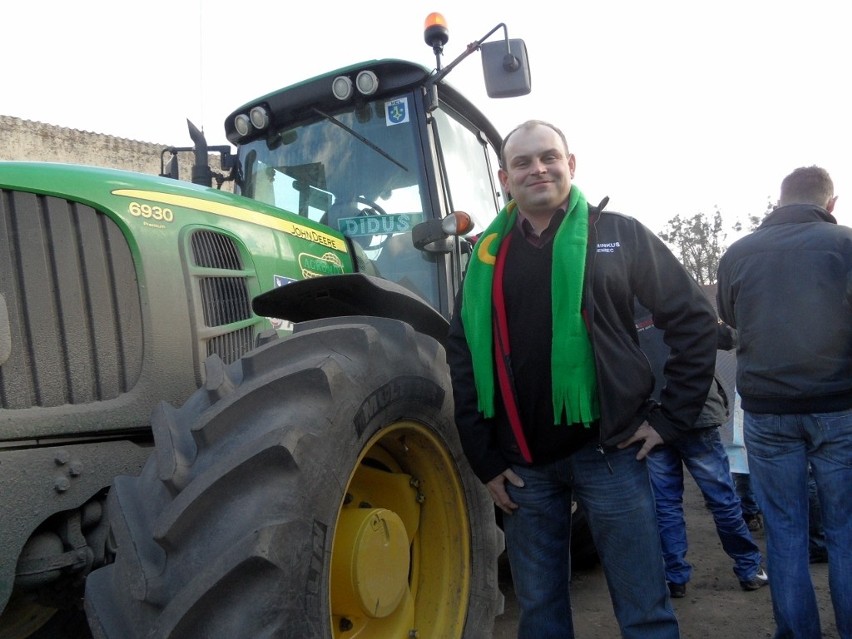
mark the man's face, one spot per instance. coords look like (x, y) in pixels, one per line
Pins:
(538, 170)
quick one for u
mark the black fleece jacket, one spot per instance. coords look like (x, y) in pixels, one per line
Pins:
(624, 260)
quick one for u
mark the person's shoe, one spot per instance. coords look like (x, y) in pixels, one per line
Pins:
(677, 591)
(754, 522)
(757, 582)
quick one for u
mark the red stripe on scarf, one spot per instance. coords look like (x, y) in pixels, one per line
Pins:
(502, 349)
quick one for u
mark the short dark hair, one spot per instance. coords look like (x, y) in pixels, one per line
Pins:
(529, 124)
(807, 185)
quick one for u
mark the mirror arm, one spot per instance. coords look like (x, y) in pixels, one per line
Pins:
(473, 46)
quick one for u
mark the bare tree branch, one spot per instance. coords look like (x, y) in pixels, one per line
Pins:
(698, 242)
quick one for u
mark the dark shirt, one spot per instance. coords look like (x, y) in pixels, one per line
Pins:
(527, 289)
(529, 234)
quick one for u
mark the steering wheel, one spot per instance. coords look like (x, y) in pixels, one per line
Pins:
(373, 208)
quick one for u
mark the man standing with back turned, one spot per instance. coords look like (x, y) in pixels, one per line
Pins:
(552, 391)
(787, 289)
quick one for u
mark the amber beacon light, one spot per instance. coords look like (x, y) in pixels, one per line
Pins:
(435, 31)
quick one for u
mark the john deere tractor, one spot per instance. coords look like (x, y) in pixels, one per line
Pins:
(229, 414)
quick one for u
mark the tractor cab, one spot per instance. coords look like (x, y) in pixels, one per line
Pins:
(389, 155)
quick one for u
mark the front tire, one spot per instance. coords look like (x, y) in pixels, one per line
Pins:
(315, 488)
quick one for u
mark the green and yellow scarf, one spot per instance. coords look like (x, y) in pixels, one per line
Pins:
(572, 360)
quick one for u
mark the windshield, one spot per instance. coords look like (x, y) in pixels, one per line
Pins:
(357, 171)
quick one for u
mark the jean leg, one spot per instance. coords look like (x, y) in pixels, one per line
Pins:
(538, 546)
(831, 459)
(777, 459)
(615, 491)
(705, 459)
(666, 471)
(742, 484)
(816, 535)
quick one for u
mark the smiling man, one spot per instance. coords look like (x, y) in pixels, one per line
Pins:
(553, 394)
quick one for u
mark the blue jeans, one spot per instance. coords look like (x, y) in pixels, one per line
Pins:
(780, 447)
(742, 484)
(704, 456)
(816, 535)
(615, 493)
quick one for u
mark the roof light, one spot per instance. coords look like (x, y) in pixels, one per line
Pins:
(242, 124)
(435, 31)
(341, 87)
(367, 82)
(259, 117)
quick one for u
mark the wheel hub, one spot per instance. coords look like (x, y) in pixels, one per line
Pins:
(370, 564)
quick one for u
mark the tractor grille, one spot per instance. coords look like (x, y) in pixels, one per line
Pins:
(74, 313)
(223, 296)
(225, 300)
(231, 346)
(214, 250)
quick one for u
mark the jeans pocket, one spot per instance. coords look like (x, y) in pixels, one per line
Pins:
(762, 432)
(835, 436)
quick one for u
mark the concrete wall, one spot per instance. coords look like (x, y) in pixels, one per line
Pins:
(25, 140)
(28, 140)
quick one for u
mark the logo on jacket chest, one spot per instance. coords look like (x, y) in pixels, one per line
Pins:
(608, 247)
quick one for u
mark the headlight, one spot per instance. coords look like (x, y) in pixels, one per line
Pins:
(367, 82)
(259, 117)
(242, 124)
(341, 87)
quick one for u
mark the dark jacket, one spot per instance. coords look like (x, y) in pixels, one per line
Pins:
(717, 407)
(623, 260)
(787, 289)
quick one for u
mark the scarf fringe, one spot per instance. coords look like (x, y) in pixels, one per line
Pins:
(573, 406)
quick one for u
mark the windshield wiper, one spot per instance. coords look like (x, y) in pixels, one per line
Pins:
(360, 137)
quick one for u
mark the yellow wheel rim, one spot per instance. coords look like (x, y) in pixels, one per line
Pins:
(21, 618)
(400, 563)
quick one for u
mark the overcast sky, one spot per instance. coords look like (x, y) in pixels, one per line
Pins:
(671, 107)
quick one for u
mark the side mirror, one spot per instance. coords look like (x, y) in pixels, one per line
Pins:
(506, 68)
(430, 237)
(171, 171)
(435, 235)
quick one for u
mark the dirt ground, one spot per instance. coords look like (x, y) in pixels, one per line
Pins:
(714, 607)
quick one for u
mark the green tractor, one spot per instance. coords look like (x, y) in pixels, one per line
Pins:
(311, 482)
